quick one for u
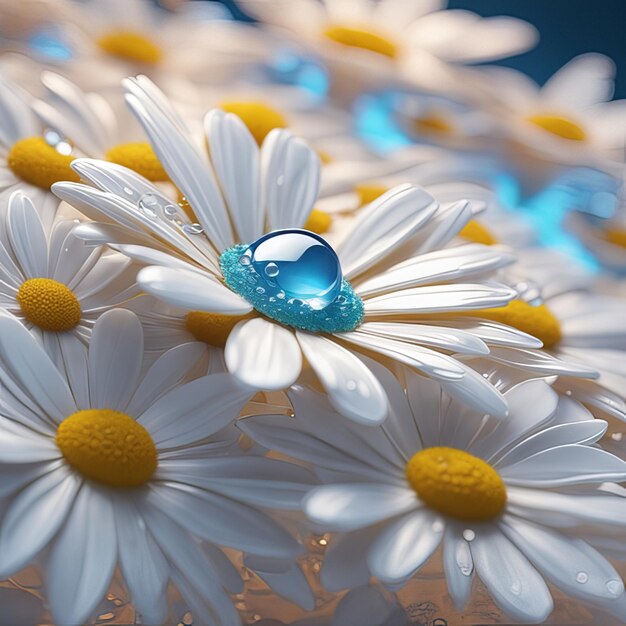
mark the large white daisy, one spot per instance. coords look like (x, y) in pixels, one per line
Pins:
(133, 471)
(391, 255)
(53, 283)
(382, 43)
(503, 497)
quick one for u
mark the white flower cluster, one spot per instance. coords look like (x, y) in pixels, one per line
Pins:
(278, 344)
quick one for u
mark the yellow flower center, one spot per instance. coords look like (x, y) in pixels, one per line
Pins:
(139, 157)
(108, 446)
(433, 124)
(363, 39)
(319, 222)
(212, 328)
(368, 192)
(38, 163)
(257, 116)
(476, 232)
(131, 46)
(534, 320)
(559, 126)
(616, 236)
(325, 158)
(49, 304)
(457, 483)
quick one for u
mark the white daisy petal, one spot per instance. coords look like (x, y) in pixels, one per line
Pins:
(194, 411)
(399, 13)
(492, 333)
(187, 168)
(27, 372)
(587, 432)
(290, 174)
(386, 223)
(573, 565)
(438, 366)
(514, 584)
(19, 444)
(351, 506)
(565, 465)
(352, 389)
(235, 157)
(584, 81)
(168, 371)
(450, 222)
(232, 524)
(291, 584)
(263, 355)
(440, 299)
(145, 568)
(345, 560)
(405, 545)
(451, 339)
(27, 236)
(23, 534)
(115, 358)
(458, 566)
(434, 267)
(77, 585)
(191, 290)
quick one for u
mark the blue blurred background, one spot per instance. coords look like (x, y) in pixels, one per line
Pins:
(567, 27)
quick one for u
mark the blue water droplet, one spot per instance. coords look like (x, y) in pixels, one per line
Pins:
(300, 264)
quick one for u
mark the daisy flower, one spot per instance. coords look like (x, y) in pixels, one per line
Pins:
(502, 497)
(385, 42)
(54, 284)
(97, 480)
(576, 323)
(567, 121)
(108, 40)
(283, 293)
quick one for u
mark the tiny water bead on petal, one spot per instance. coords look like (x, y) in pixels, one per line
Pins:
(139, 157)
(457, 483)
(362, 38)
(108, 446)
(559, 126)
(294, 277)
(260, 118)
(131, 46)
(49, 304)
(38, 163)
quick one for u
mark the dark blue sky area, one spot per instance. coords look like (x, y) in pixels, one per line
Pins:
(567, 27)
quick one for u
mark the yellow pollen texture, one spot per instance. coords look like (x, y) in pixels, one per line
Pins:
(139, 157)
(363, 39)
(131, 46)
(432, 124)
(108, 446)
(368, 192)
(476, 232)
(537, 321)
(49, 304)
(457, 484)
(559, 126)
(212, 328)
(318, 222)
(257, 116)
(37, 163)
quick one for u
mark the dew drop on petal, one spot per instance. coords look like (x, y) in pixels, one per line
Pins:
(193, 229)
(147, 205)
(516, 588)
(301, 265)
(469, 534)
(582, 577)
(615, 587)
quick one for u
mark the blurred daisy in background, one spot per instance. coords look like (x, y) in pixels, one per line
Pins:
(369, 45)
(97, 479)
(503, 498)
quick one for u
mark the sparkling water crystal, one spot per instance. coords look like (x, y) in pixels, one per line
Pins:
(297, 265)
